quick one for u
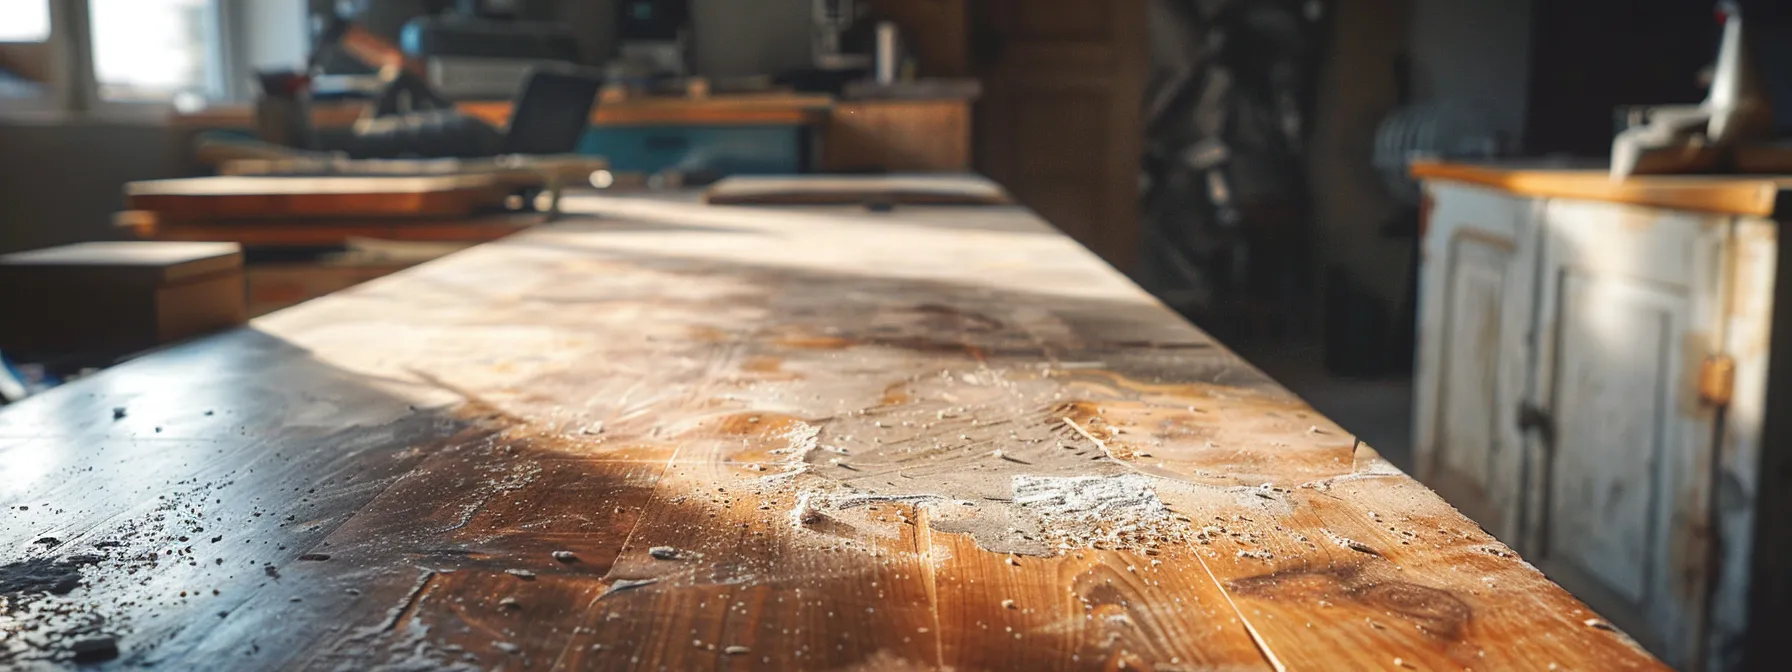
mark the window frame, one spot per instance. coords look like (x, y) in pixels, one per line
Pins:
(217, 52)
(50, 5)
(57, 97)
(74, 90)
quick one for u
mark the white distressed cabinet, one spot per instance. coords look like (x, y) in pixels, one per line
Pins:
(1593, 385)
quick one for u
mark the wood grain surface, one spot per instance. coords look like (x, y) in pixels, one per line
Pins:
(905, 189)
(236, 196)
(1757, 195)
(778, 108)
(899, 136)
(323, 231)
(697, 437)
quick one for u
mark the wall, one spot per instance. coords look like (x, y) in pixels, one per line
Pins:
(1470, 53)
(61, 182)
(595, 24)
(1475, 53)
(735, 38)
(1356, 89)
(1594, 55)
(730, 37)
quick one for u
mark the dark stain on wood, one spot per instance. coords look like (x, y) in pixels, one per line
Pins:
(1436, 612)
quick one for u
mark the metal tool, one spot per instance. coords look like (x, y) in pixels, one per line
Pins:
(1683, 138)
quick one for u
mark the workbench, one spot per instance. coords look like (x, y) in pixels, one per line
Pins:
(930, 133)
(701, 437)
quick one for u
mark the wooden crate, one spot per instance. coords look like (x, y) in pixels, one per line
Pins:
(111, 298)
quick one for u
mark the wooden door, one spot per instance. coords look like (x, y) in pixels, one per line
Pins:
(1059, 121)
(1630, 305)
(1477, 281)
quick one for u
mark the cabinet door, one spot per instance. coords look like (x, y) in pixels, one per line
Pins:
(1476, 288)
(1629, 308)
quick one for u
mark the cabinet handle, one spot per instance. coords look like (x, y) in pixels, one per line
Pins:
(1717, 380)
(1531, 417)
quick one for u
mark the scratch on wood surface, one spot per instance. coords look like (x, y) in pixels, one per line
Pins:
(1262, 646)
(1152, 473)
(653, 498)
(520, 476)
(1351, 544)
(924, 548)
(625, 585)
(1103, 445)
(408, 603)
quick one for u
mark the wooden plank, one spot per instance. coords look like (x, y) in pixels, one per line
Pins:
(899, 136)
(838, 440)
(224, 197)
(325, 231)
(234, 157)
(856, 190)
(1731, 195)
(1085, 610)
(180, 496)
(729, 109)
(1373, 571)
(718, 580)
(737, 109)
(413, 563)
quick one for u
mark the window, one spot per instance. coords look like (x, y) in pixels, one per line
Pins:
(25, 52)
(155, 50)
(24, 20)
(136, 57)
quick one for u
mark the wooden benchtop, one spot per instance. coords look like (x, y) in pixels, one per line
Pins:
(1756, 195)
(725, 438)
(721, 109)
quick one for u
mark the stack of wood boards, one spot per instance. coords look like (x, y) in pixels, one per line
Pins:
(898, 189)
(321, 211)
